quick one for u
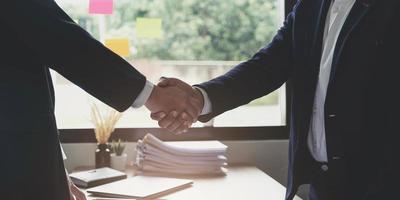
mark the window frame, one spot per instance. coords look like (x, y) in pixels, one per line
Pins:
(199, 133)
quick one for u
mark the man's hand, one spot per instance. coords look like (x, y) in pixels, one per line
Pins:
(74, 192)
(175, 105)
(173, 121)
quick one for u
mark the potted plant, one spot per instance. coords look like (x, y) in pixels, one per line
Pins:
(104, 125)
(118, 157)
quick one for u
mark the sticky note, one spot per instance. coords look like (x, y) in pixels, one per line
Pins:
(101, 7)
(119, 46)
(149, 28)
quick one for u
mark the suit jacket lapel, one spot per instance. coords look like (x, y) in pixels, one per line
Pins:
(359, 10)
(319, 34)
(320, 8)
(318, 26)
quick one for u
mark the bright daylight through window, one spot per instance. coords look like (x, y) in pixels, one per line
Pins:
(194, 40)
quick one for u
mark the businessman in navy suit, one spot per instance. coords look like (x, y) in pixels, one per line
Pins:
(342, 60)
(37, 35)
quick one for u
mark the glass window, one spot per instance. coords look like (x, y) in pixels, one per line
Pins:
(194, 40)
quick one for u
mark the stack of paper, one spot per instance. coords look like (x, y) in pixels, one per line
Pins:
(194, 157)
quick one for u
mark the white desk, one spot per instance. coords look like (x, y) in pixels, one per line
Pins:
(240, 183)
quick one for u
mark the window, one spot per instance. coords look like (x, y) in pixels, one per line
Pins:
(194, 40)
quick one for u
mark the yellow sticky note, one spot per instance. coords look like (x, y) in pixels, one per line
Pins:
(149, 28)
(119, 46)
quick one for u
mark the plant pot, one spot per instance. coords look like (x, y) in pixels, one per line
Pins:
(118, 162)
(102, 156)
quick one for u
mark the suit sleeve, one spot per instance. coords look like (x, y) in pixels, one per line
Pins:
(265, 72)
(64, 46)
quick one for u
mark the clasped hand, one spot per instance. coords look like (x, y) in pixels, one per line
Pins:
(175, 105)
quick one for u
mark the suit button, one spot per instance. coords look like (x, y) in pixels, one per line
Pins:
(378, 42)
(366, 4)
(331, 115)
(324, 168)
(336, 158)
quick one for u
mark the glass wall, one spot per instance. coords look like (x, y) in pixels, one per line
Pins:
(194, 40)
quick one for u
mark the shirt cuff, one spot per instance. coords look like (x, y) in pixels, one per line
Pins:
(207, 108)
(144, 95)
(63, 153)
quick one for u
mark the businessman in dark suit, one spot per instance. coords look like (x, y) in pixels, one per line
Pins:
(37, 35)
(342, 60)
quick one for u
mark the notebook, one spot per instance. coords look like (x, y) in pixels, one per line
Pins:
(140, 187)
(91, 178)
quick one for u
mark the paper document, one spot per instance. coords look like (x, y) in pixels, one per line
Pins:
(189, 157)
(187, 148)
(140, 187)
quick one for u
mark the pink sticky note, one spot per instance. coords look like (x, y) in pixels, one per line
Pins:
(101, 7)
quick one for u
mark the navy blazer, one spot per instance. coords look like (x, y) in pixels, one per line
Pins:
(361, 108)
(37, 35)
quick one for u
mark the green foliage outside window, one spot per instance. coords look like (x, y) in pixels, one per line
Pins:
(193, 29)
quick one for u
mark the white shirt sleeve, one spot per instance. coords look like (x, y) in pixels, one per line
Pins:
(144, 95)
(63, 153)
(207, 108)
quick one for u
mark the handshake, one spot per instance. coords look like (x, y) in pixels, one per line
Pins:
(175, 105)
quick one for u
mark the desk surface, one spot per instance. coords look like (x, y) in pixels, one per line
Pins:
(241, 182)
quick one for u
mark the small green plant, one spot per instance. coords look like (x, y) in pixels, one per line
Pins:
(117, 147)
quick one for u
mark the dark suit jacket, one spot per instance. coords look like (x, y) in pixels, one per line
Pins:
(37, 35)
(361, 108)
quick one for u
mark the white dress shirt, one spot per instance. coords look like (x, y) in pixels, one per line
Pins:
(144, 95)
(337, 16)
(63, 153)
